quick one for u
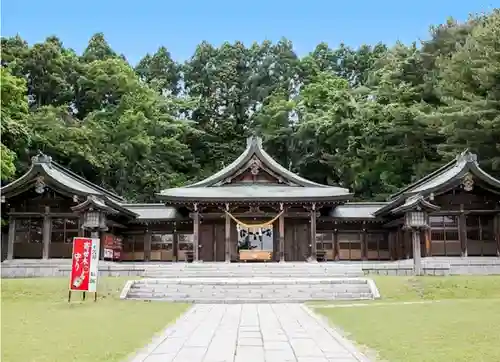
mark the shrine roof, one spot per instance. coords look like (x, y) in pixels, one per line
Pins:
(152, 212)
(44, 169)
(450, 175)
(254, 192)
(357, 210)
(287, 185)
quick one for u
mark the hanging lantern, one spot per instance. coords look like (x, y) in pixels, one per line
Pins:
(415, 219)
(91, 219)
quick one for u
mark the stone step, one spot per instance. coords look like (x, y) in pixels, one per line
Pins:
(252, 281)
(246, 300)
(275, 270)
(251, 275)
(248, 290)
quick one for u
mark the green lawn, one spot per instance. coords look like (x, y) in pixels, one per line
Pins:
(463, 324)
(39, 325)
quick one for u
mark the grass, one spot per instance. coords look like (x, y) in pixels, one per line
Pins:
(462, 325)
(39, 325)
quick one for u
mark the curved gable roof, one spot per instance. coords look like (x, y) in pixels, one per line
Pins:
(254, 149)
(291, 186)
(57, 175)
(449, 174)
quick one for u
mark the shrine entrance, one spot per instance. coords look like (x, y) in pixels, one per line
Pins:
(256, 240)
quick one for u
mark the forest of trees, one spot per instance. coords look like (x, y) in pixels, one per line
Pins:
(370, 119)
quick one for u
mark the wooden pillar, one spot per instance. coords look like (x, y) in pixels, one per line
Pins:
(98, 234)
(81, 230)
(336, 246)
(175, 243)
(462, 231)
(11, 238)
(46, 231)
(428, 250)
(196, 233)
(407, 237)
(281, 227)
(147, 244)
(496, 230)
(364, 246)
(313, 232)
(397, 237)
(227, 236)
(390, 241)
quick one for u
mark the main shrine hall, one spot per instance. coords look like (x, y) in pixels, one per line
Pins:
(254, 210)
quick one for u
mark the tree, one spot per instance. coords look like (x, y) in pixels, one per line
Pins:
(98, 49)
(371, 119)
(469, 88)
(14, 111)
(160, 71)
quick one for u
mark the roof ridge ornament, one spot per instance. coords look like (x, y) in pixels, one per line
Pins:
(467, 157)
(41, 158)
(254, 140)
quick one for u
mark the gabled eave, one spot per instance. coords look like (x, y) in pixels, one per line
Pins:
(106, 205)
(57, 177)
(416, 202)
(207, 199)
(254, 148)
(93, 202)
(449, 176)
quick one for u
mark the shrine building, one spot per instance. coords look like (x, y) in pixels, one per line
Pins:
(255, 210)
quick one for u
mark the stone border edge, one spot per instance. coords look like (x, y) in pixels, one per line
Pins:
(373, 288)
(347, 344)
(141, 354)
(126, 288)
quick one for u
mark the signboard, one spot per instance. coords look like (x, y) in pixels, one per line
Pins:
(108, 253)
(84, 266)
(112, 246)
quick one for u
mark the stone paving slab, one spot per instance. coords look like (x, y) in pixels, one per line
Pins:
(250, 332)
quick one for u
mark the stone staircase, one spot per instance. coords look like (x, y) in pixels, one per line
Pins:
(251, 283)
(253, 270)
(252, 290)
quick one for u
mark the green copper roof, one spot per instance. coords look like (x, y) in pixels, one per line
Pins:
(443, 178)
(152, 212)
(54, 174)
(254, 192)
(290, 186)
(357, 210)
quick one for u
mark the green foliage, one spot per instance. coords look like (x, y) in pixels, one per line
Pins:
(371, 119)
(14, 111)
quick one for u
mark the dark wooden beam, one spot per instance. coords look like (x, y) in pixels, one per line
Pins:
(196, 233)
(313, 232)
(46, 233)
(11, 238)
(227, 236)
(281, 232)
(462, 231)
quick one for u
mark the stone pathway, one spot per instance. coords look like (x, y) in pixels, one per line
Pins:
(250, 332)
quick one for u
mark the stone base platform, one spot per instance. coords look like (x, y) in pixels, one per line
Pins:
(24, 268)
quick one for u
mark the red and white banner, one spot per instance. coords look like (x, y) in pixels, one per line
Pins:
(84, 266)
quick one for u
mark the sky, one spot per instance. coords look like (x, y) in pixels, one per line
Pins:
(140, 27)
